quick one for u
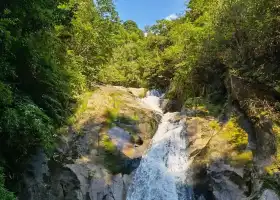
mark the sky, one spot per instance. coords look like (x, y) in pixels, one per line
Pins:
(147, 12)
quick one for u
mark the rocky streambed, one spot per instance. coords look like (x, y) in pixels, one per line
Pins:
(124, 147)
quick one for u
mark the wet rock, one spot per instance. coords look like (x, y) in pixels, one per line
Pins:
(168, 105)
(131, 165)
(227, 182)
(117, 187)
(269, 195)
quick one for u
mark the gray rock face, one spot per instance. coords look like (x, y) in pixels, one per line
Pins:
(269, 195)
(227, 182)
(71, 174)
(34, 178)
(99, 189)
(72, 182)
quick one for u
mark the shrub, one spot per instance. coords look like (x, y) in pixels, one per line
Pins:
(5, 194)
(24, 128)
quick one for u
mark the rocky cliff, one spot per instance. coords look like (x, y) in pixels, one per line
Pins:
(94, 157)
(236, 156)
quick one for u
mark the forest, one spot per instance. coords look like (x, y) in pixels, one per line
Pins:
(53, 52)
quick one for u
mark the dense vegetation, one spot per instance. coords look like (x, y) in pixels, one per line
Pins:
(197, 56)
(195, 52)
(52, 52)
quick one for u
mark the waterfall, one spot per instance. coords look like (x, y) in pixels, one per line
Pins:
(152, 100)
(163, 171)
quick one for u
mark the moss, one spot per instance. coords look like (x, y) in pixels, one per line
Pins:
(242, 159)
(275, 166)
(234, 134)
(143, 94)
(227, 141)
(269, 180)
(238, 140)
(112, 158)
(214, 125)
(92, 174)
(111, 118)
(112, 113)
(107, 144)
(153, 126)
(135, 117)
(276, 130)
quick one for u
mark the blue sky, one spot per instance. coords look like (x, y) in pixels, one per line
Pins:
(146, 12)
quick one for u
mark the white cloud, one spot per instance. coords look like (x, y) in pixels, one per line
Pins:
(172, 17)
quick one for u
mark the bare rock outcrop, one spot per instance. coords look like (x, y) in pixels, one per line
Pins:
(95, 157)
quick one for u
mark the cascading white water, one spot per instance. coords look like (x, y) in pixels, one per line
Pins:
(162, 174)
(152, 100)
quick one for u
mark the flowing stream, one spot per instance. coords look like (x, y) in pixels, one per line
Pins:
(163, 171)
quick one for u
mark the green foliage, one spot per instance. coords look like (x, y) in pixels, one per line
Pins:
(203, 106)
(218, 37)
(128, 59)
(4, 194)
(140, 61)
(23, 128)
(82, 106)
(6, 95)
(51, 53)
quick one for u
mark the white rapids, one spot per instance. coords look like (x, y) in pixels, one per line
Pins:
(152, 100)
(162, 173)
